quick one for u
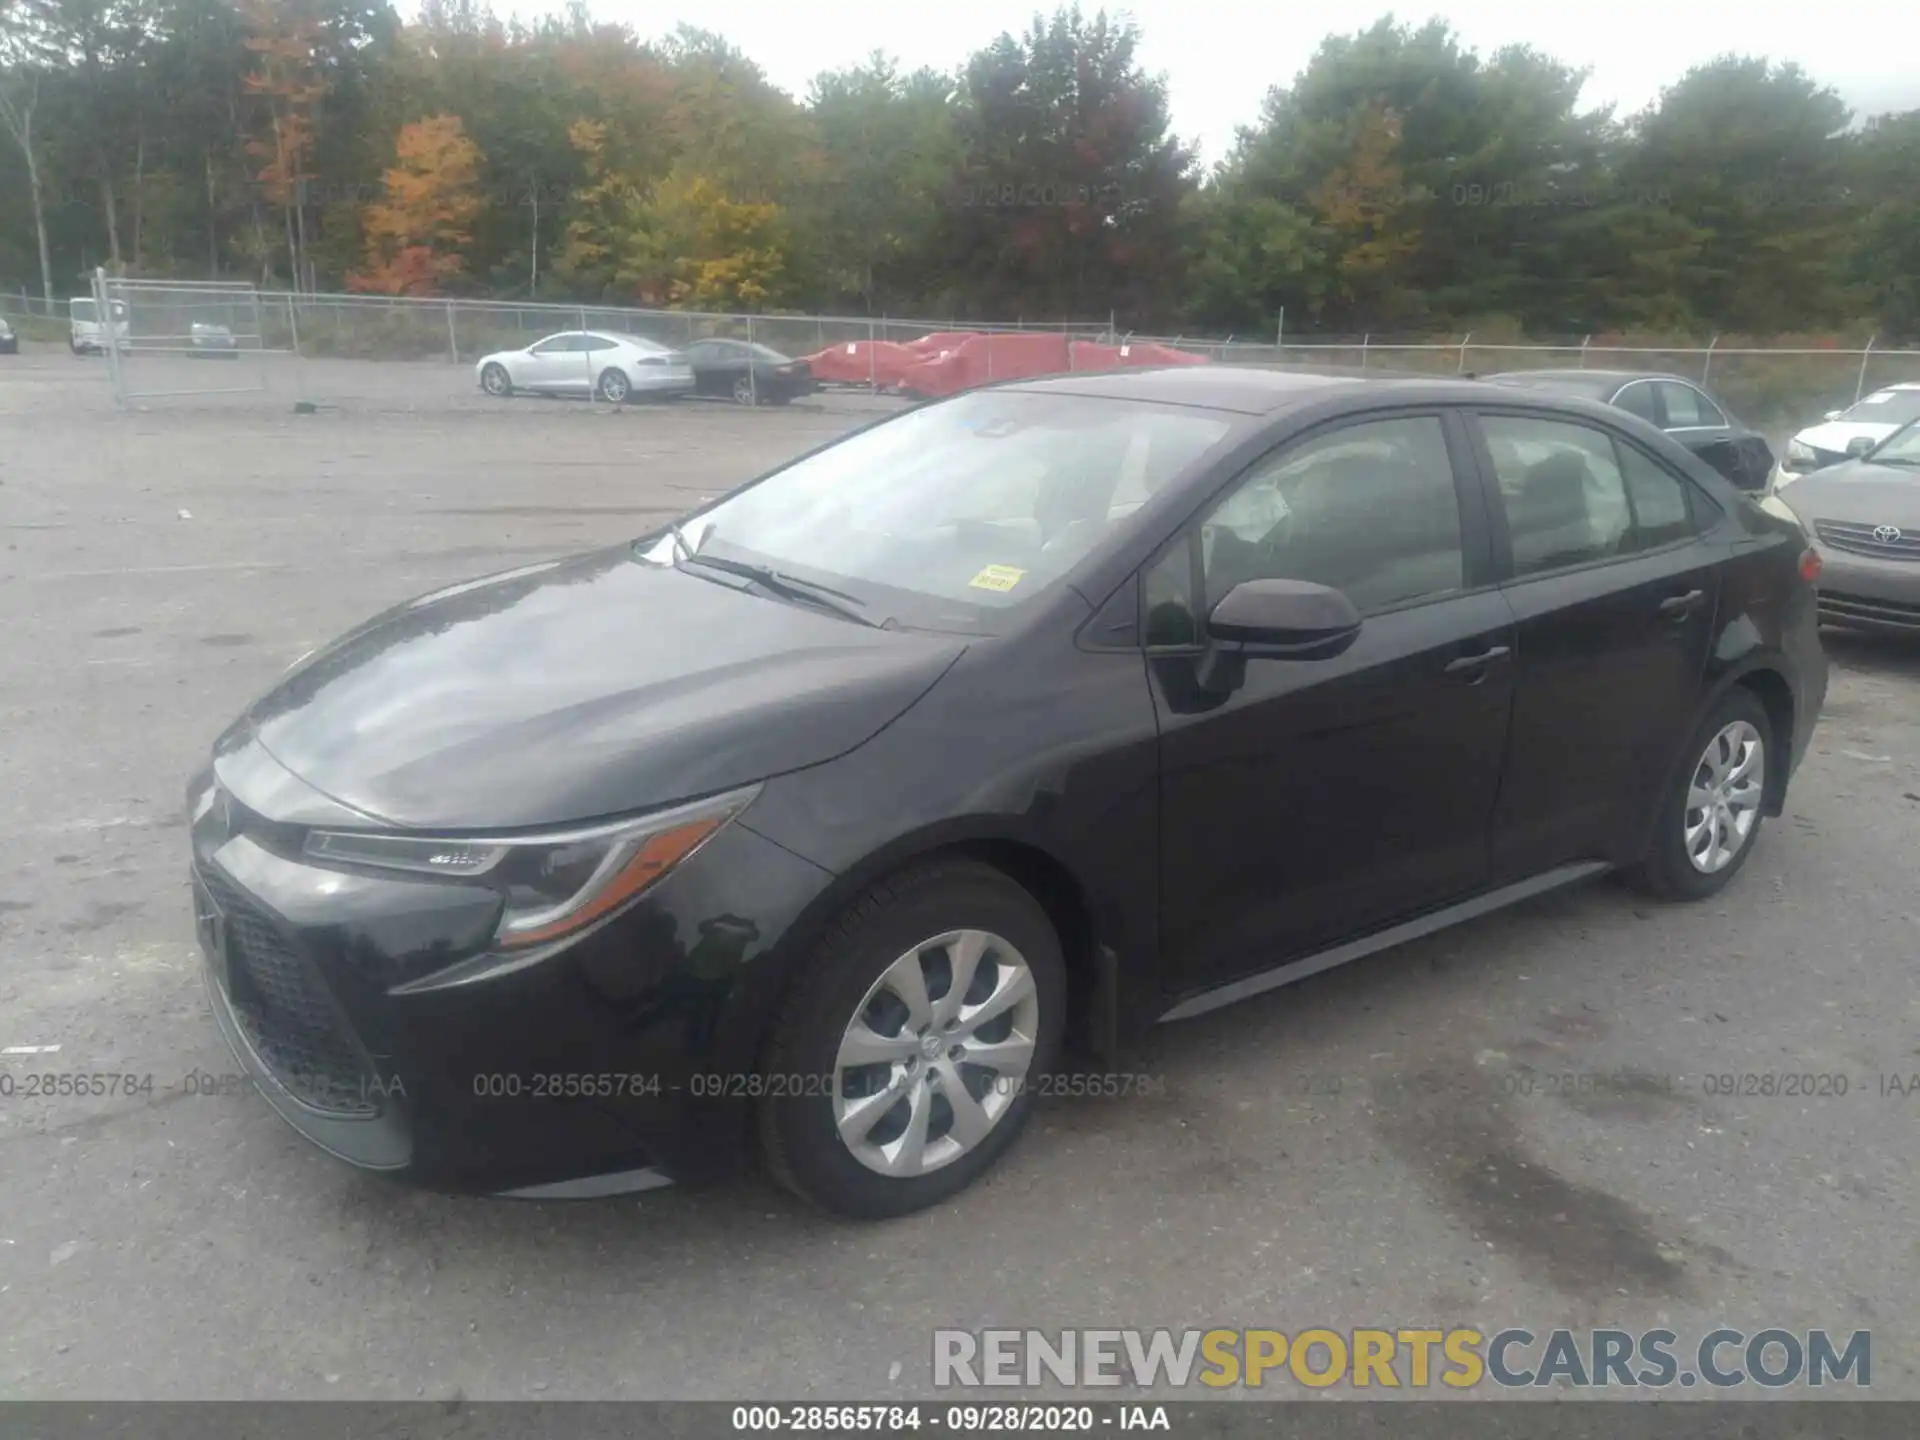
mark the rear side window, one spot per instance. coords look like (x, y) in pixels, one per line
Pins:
(1658, 500)
(1561, 487)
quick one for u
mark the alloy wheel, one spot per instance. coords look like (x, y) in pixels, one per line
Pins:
(744, 392)
(494, 380)
(614, 386)
(1724, 797)
(936, 1053)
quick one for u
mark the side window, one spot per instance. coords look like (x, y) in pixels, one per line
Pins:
(593, 342)
(1637, 399)
(1686, 407)
(1659, 500)
(1369, 509)
(1565, 500)
(557, 345)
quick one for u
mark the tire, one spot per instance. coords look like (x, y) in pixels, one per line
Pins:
(614, 387)
(495, 381)
(744, 392)
(1684, 864)
(923, 918)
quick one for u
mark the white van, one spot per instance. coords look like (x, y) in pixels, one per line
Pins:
(87, 335)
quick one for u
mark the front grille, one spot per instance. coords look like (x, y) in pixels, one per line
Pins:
(286, 1017)
(1865, 610)
(1861, 540)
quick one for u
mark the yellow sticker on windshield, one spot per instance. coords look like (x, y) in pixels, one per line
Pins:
(997, 577)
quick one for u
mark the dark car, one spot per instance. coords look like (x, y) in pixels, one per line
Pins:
(212, 341)
(1864, 516)
(816, 824)
(1670, 403)
(748, 374)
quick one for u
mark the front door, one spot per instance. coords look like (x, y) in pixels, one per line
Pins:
(1325, 798)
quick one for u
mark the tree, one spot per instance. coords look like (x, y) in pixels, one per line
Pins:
(288, 81)
(22, 70)
(1071, 186)
(415, 236)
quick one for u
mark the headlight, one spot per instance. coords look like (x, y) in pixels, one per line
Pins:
(1800, 457)
(555, 883)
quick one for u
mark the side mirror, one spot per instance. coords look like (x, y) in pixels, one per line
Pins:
(1277, 619)
(1860, 445)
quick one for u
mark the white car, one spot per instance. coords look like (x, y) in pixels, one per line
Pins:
(601, 363)
(1844, 434)
(88, 334)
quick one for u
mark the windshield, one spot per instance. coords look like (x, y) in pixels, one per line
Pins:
(982, 500)
(82, 309)
(1900, 448)
(1888, 407)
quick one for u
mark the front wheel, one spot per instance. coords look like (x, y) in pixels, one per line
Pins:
(495, 380)
(745, 392)
(905, 1066)
(614, 387)
(1713, 809)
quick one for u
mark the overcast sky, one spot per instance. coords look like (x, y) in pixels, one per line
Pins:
(1220, 56)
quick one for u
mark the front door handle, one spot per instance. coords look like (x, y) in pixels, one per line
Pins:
(1675, 606)
(1475, 666)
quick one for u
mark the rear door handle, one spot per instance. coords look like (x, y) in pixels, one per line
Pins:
(1677, 605)
(1476, 665)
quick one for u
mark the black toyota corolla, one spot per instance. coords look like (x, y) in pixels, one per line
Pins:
(817, 824)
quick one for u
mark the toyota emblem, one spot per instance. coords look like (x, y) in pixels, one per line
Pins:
(1887, 534)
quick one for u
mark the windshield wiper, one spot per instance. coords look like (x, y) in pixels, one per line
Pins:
(788, 587)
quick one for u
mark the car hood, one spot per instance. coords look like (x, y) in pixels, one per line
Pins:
(1835, 435)
(587, 687)
(1861, 493)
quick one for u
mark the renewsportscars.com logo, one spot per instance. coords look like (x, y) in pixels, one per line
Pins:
(1459, 1359)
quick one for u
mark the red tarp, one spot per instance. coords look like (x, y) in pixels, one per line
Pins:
(948, 361)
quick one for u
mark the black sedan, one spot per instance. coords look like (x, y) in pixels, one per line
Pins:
(816, 824)
(747, 374)
(1679, 407)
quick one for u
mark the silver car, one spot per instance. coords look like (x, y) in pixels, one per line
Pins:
(602, 363)
(1850, 432)
(1864, 517)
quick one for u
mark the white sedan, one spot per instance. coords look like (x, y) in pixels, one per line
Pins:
(1847, 433)
(602, 363)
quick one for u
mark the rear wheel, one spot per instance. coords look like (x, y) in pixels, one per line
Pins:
(907, 1064)
(495, 380)
(1713, 810)
(614, 387)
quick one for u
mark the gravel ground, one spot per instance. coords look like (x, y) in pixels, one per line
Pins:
(1436, 1135)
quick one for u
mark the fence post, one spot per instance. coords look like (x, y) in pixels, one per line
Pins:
(453, 342)
(1860, 385)
(1706, 366)
(873, 339)
(293, 323)
(1365, 341)
(753, 370)
(1583, 350)
(1280, 337)
(110, 327)
(1461, 368)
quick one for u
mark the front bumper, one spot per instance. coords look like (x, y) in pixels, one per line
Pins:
(1866, 593)
(372, 1017)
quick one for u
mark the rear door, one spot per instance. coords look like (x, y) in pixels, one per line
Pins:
(1324, 798)
(1614, 594)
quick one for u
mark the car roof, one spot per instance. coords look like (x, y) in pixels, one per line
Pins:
(1561, 377)
(1247, 390)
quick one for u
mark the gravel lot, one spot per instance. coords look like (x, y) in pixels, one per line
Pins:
(1389, 1144)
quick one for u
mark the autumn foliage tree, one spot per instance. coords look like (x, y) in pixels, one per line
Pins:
(416, 235)
(288, 83)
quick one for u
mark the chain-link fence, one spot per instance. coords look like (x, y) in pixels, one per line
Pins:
(1767, 384)
(168, 338)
